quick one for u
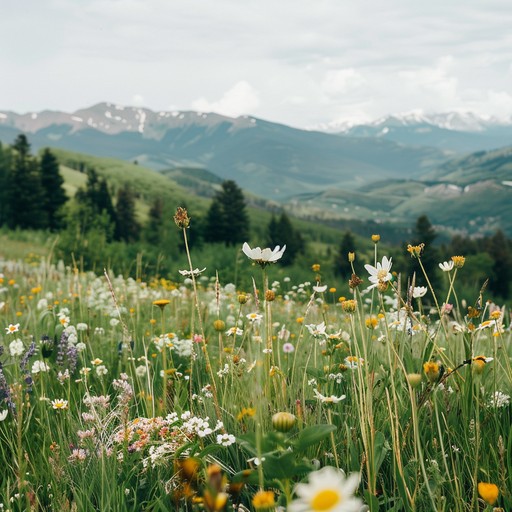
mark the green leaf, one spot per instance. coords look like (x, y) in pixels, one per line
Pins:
(211, 448)
(381, 448)
(279, 466)
(313, 435)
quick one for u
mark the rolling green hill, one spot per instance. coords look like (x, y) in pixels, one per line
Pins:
(483, 165)
(149, 184)
(470, 195)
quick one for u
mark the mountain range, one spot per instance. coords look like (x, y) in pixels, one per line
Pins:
(384, 171)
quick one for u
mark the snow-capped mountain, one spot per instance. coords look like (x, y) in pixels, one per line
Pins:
(460, 132)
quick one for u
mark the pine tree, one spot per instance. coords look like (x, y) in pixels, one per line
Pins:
(5, 165)
(424, 233)
(153, 232)
(94, 207)
(499, 248)
(227, 219)
(54, 193)
(342, 266)
(127, 227)
(214, 223)
(104, 200)
(25, 195)
(281, 232)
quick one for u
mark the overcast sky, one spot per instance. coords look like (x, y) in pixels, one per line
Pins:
(303, 63)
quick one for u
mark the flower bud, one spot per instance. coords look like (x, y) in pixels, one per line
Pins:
(375, 239)
(181, 218)
(382, 286)
(242, 298)
(349, 306)
(351, 257)
(283, 421)
(270, 295)
(219, 325)
(414, 379)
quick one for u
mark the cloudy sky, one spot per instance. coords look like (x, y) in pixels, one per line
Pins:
(303, 63)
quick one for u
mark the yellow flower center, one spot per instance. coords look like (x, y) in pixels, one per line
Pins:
(325, 500)
(382, 273)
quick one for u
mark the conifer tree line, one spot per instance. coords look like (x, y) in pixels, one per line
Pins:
(32, 194)
(488, 257)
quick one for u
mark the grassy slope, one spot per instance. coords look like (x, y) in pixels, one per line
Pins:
(150, 184)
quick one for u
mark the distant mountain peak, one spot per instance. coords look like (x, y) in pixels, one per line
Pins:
(113, 118)
(463, 121)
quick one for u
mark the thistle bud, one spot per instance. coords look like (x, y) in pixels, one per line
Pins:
(181, 218)
(270, 295)
(283, 421)
(354, 281)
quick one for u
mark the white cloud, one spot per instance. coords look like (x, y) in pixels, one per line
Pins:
(138, 100)
(299, 63)
(341, 81)
(242, 98)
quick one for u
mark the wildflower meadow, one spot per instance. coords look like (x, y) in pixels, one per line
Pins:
(193, 394)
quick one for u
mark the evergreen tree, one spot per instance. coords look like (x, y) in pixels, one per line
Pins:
(227, 219)
(424, 233)
(499, 248)
(24, 191)
(104, 200)
(153, 232)
(214, 223)
(342, 266)
(127, 227)
(94, 206)
(54, 193)
(5, 165)
(273, 235)
(281, 232)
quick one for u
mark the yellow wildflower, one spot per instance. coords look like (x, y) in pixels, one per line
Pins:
(432, 370)
(458, 261)
(263, 500)
(488, 492)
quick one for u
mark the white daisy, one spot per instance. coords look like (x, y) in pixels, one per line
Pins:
(419, 291)
(328, 399)
(328, 490)
(380, 273)
(263, 256)
(446, 266)
(189, 273)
